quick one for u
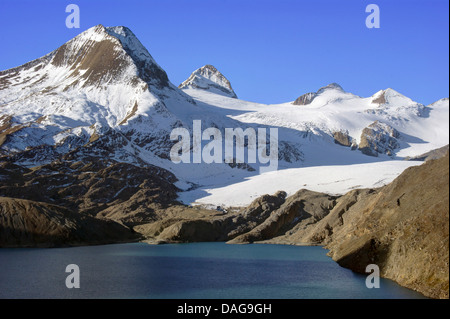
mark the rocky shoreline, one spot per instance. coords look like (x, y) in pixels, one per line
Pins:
(402, 227)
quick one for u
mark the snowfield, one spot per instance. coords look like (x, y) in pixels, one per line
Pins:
(325, 167)
(333, 180)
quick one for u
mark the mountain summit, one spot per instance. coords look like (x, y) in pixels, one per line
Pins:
(109, 55)
(104, 75)
(101, 86)
(210, 79)
(95, 57)
(307, 98)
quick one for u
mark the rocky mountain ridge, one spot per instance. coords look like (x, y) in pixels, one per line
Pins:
(210, 79)
(104, 83)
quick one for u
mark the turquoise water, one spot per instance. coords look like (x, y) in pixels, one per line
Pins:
(186, 271)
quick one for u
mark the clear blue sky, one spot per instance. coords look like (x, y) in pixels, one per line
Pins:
(272, 51)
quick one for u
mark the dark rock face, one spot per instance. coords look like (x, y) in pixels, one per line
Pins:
(258, 211)
(404, 229)
(102, 62)
(305, 99)
(298, 210)
(342, 138)
(103, 189)
(6, 129)
(379, 138)
(195, 225)
(381, 99)
(25, 223)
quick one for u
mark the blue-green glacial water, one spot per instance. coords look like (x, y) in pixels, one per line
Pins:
(186, 271)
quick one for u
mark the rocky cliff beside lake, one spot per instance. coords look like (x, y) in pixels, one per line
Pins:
(25, 223)
(402, 227)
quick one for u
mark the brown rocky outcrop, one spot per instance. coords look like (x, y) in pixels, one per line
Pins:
(379, 138)
(191, 224)
(380, 99)
(298, 211)
(305, 99)
(25, 223)
(431, 155)
(402, 227)
(104, 189)
(342, 138)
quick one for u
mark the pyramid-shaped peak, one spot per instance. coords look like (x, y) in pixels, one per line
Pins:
(388, 91)
(209, 67)
(119, 36)
(104, 54)
(119, 30)
(129, 41)
(208, 70)
(210, 79)
(103, 32)
(388, 96)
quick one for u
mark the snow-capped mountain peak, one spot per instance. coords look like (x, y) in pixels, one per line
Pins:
(129, 41)
(209, 78)
(391, 96)
(102, 82)
(109, 54)
(331, 86)
(333, 90)
(148, 68)
(104, 75)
